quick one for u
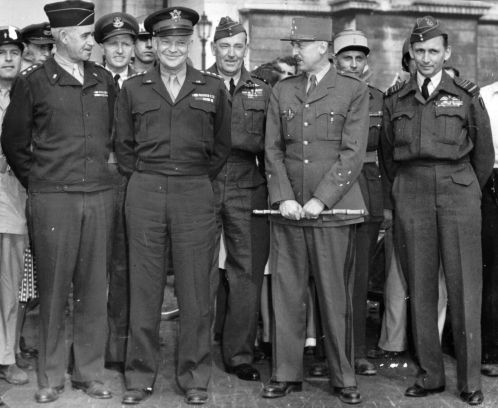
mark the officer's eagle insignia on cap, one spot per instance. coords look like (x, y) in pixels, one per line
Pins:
(175, 15)
(117, 22)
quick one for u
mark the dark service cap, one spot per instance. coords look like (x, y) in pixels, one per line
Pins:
(38, 34)
(115, 24)
(310, 29)
(172, 21)
(425, 29)
(70, 13)
(11, 35)
(141, 27)
(227, 28)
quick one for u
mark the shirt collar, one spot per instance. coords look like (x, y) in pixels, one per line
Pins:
(180, 75)
(122, 75)
(226, 78)
(435, 80)
(319, 76)
(68, 65)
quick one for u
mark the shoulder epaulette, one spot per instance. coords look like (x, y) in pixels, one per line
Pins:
(374, 88)
(290, 77)
(348, 75)
(135, 75)
(468, 86)
(212, 74)
(393, 89)
(261, 79)
(31, 69)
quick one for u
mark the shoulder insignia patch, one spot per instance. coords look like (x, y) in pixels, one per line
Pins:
(468, 86)
(393, 89)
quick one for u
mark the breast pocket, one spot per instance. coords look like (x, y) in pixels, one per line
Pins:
(254, 116)
(402, 123)
(374, 132)
(329, 123)
(290, 122)
(202, 121)
(144, 116)
(450, 125)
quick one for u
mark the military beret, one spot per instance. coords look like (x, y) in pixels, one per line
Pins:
(11, 35)
(115, 24)
(228, 27)
(405, 55)
(310, 29)
(70, 13)
(172, 21)
(348, 40)
(425, 29)
(141, 28)
(38, 34)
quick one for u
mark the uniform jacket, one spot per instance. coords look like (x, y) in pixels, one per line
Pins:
(188, 137)
(370, 179)
(249, 106)
(315, 146)
(452, 125)
(68, 126)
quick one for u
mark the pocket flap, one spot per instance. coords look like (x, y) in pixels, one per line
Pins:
(250, 183)
(465, 178)
(205, 106)
(450, 111)
(145, 107)
(399, 115)
(251, 104)
(328, 110)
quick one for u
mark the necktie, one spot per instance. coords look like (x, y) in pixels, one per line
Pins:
(77, 74)
(312, 85)
(174, 86)
(425, 89)
(116, 83)
(232, 86)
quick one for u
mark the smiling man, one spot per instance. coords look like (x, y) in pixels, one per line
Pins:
(438, 153)
(239, 188)
(55, 136)
(316, 137)
(173, 137)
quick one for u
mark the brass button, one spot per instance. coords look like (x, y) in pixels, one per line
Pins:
(305, 143)
(306, 161)
(305, 123)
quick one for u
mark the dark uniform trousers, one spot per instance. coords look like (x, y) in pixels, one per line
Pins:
(437, 215)
(118, 299)
(331, 254)
(247, 243)
(75, 229)
(489, 317)
(170, 216)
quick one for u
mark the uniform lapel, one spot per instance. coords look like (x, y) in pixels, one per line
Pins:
(301, 88)
(321, 90)
(188, 86)
(153, 76)
(91, 76)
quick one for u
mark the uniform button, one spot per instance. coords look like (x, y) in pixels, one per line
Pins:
(84, 93)
(88, 158)
(87, 115)
(307, 105)
(306, 161)
(64, 187)
(305, 143)
(57, 187)
(89, 136)
(305, 123)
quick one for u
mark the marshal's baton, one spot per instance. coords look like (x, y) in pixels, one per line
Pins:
(326, 212)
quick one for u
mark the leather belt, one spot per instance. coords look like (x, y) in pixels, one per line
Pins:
(435, 162)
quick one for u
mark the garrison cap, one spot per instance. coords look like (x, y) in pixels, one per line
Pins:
(405, 55)
(38, 34)
(348, 40)
(11, 35)
(228, 27)
(70, 13)
(425, 29)
(141, 28)
(115, 24)
(172, 21)
(310, 29)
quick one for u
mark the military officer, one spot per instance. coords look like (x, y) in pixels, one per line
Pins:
(145, 57)
(55, 136)
(116, 34)
(438, 153)
(39, 43)
(239, 188)
(316, 138)
(351, 53)
(173, 137)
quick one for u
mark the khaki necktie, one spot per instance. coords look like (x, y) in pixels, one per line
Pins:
(77, 74)
(174, 87)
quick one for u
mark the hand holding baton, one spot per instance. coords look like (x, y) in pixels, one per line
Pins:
(326, 212)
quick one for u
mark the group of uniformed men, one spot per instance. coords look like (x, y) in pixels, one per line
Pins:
(128, 171)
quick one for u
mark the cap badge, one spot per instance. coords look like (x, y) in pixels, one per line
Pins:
(141, 27)
(117, 22)
(12, 33)
(47, 32)
(175, 15)
(429, 22)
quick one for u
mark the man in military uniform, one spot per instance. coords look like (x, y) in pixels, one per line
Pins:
(173, 137)
(55, 136)
(145, 57)
(351, 53)
(239, 188)
(438, 153)
(39, 43)
(116, 34)
(316, 138)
